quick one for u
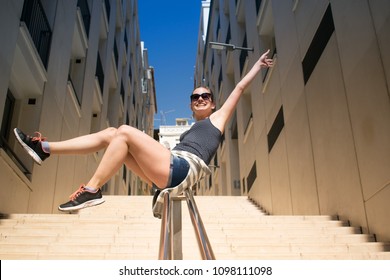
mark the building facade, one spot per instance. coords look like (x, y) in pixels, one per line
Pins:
(169, 135)
(312, 134)
(68, 68)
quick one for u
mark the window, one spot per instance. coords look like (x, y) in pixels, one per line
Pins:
(318, 44)
(246, 113)
(33, 15)
(79, 50)
(76, 77)
(6, 131)
(85, 13)
(275, 130)
(7, 118)
(258, 4)
(267, 33)
(243, 56)
(251, 176)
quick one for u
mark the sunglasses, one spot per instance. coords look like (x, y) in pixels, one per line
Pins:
(205, 96)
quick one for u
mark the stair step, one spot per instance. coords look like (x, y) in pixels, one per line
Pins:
(316, 239)
(124, 228)
(311, 256)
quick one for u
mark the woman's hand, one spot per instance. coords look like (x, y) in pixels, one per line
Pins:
(265, 61)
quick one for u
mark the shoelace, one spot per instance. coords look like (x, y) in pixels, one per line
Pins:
(77, 193)
(38, 137)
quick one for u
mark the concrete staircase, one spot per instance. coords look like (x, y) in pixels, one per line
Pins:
(124, 228)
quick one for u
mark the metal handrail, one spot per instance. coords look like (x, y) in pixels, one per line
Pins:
(166, 244)
(200, 231)
(166, 236)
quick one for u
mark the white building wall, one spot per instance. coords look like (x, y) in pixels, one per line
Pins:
(169, 135)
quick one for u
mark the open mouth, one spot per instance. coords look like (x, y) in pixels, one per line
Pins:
(201, 104)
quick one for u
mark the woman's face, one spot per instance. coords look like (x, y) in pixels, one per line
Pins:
(202, 104)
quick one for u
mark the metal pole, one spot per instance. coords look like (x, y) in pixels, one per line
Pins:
(200, 232)
(177, 237)
(166, 242)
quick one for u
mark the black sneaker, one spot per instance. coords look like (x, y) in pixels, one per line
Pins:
(32, 145)
(82, 198)
(156, 192)
(157, 204)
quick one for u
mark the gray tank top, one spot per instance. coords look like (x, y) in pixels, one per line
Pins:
(202, 140)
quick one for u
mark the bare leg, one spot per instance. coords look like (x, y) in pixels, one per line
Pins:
(137, 150)
(151, 158)
(84, 144)
(132, 165)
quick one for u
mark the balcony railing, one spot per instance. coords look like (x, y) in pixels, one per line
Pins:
(38, 26)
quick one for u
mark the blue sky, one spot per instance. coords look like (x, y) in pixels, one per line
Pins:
(169, 30)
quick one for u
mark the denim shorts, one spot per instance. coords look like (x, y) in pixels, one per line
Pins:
(197, 170)
(178, 171)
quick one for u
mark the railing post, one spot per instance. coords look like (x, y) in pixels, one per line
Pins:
(166, 242)
(177, 228)
(171, 228)
(200, 232)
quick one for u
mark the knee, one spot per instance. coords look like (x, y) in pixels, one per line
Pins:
(109, 134)
(124, 130)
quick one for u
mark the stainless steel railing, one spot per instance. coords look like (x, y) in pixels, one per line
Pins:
(166, 236)
(171, 221)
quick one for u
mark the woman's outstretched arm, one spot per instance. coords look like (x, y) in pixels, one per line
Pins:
(221, 116)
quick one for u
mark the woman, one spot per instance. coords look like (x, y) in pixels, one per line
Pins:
(173, 170)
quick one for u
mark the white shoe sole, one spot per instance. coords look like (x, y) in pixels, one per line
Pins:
(86, 204)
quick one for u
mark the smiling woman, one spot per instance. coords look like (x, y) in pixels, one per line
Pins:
(202, 103)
